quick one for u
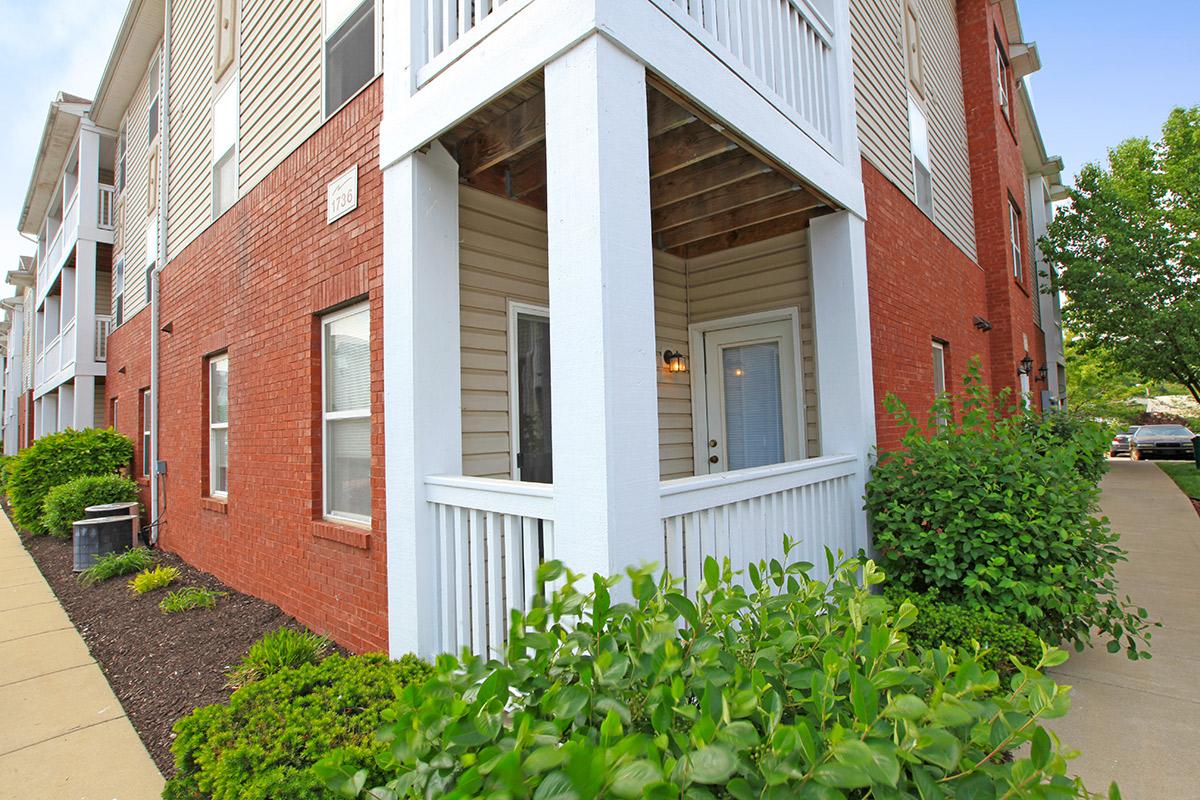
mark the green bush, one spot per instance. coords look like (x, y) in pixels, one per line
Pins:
(282, 649)
(1088, 440)
(57, 458)
(993, 518)
(189, 597)
(115, 565)
(940, 624)
(794, 687)
(65, 504)
(6, 463)
(261, 745)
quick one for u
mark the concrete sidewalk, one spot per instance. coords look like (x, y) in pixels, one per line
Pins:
(63, 734)
(1139, 723)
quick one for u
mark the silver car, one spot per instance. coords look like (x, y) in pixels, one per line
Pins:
(1120, 442)
(1161, 441)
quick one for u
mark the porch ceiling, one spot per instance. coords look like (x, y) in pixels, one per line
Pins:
(708, 190)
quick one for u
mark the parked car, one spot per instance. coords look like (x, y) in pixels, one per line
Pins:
(1120, 442)
(1166, 441)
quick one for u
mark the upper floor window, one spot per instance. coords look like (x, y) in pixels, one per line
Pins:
(118, 292)
(1014, 225)
(218, 426)
(918, 134)
(346, 413)
(913, 48)
(1003, 77)
(226, 37)
(225, 136)
(350, 50)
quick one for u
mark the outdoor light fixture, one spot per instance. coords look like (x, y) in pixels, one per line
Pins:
(675, 361)
(1043, 373)
(1026, 367)
(982, 324)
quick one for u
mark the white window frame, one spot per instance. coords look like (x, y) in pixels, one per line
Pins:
(918, 139)
(118, 292)
(1003, 69)
(1014, 226)
(939, 349)
(230, 152)
(145, 398)
(515, 311)
(326, 32)
(216, 426)
(328, 416)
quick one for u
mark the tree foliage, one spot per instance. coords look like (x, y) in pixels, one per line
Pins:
(1127, 251)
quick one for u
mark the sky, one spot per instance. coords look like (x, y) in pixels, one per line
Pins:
(1108, 73)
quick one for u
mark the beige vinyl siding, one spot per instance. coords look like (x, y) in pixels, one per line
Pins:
(765, 276)
(880, 88)
(103, 305)
(136, 216)
(280, 89)
(99, 412)
(193, 23)
(674, 389)
(953, 210)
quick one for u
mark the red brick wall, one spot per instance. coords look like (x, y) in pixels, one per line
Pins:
(252, 285)
(128, 374)
(922, 287)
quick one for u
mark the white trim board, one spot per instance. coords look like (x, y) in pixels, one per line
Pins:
(513, 309)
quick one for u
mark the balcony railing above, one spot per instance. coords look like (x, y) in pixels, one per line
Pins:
(103, 329)
(106, 207)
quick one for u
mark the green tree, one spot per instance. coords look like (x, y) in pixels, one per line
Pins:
(1128, 254)
(1098, 388)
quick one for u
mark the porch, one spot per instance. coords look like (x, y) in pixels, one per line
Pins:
(618, 331)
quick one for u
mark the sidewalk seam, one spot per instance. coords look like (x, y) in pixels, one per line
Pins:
(64, 733)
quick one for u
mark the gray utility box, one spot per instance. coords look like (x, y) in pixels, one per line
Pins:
(100, 536)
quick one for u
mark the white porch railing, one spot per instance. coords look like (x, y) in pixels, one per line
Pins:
(103, 329)
(67, 343)
(50, 362)
(38, 369)
(453, 26)
(744, 515)
(491, 536)
(784, 48)
(106, 207)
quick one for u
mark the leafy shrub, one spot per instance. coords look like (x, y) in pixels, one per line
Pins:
(281, 649)
(65, 503)
(994, 519)
(940, 624)
(261, 745)
(6, 463)
(57, 458)
(1087, 438)
(188, 598)
(150, 579)
(115, 565)
(795, 688)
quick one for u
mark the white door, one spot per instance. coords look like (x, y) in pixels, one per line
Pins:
(751, 393)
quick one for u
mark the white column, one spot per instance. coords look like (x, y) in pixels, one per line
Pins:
(84, 398)
(422, 382)
(85, 306)
(602, 346)
(842, 327)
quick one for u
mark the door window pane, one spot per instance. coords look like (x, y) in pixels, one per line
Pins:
(533, 399)
(753, 405)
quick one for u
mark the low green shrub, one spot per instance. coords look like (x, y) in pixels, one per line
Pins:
(6, 463)
(941, 624)
(115, 565)
(65, 503)
(994, 518)
(57, 458)
(1087, 439)
(189, 597)
(261, 745)
(149, 580)
(282, 649)
(793, 687)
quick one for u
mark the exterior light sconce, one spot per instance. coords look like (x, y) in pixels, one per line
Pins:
(675, 361)
(1043, 373)
(1026, 367)
(982, 324)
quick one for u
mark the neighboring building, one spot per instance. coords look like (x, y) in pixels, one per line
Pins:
(624, 250)
(18, 375)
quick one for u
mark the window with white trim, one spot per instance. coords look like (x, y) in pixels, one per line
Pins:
(118, 293)
(351, 54)
(225, 136)
(218, 426)
(918, 133)
(1003, 77)
(346, 413)
(145, 432)
(225, 37)
(913, 48)
(1014, 229)
(939, 375)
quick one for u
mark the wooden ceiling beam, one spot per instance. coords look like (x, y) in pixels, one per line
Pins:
(758, 232)
(505, 137)
(684, 146)
(782, 205)
(664, 114)
(704, 176)
(728, 198)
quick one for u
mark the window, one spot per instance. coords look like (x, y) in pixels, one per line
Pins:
(114, 422)
(225, 134)
(939, 375)
(346, 413)
(218, 426)
(152, 122)
(1014, 226)
(1003, 76)
(913, 48)
(226, 36)
(118, 302)
(152, 180)
(350, 57)
(918, 132)
(121, 159)
(146, 454)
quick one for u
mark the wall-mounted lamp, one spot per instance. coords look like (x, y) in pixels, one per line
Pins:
(982, 324)
(675, 361)
(1026, 367)
(1043, 373)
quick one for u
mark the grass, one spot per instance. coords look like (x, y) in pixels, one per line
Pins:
(150, 579)
(116, 564)
(1185, 475)
(189, 598)
(286, 648)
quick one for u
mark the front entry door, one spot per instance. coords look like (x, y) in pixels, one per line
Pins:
(751, 396)
(531, 364)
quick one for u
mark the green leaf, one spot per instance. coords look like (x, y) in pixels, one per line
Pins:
(906, 706)
(556, 786)
(568, 702)
(939, 747)
(712, 572)
(842, 776)
(1114, 793)
(632, 779)
(1040, 748)
(714, 764)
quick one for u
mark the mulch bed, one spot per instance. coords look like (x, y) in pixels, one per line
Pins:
(161, 666)
(1195, 504)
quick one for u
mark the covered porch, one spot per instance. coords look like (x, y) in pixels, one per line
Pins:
(625, 334)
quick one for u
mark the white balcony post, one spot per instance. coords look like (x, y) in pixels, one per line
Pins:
(84, 398)
(89, 182)
(602, 346)
(85, 302)
(422, 381)
(842, 327)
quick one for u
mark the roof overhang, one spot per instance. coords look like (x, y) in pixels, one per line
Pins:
(22, 276)
(137, 40)
(58, 134)
(1024, 58)
(12, 305)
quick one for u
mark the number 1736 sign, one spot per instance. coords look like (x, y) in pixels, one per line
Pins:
(342, 195)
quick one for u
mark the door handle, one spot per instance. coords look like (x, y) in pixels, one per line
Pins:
(713, 459)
